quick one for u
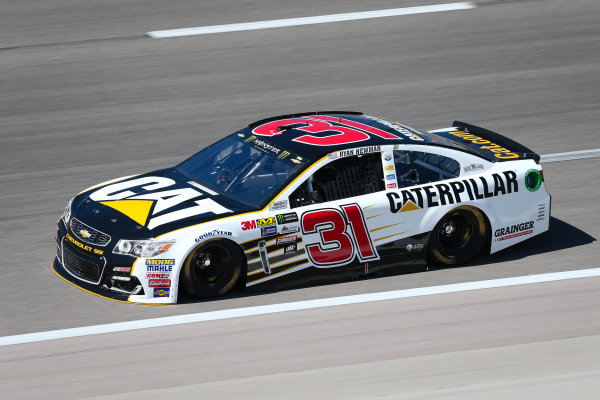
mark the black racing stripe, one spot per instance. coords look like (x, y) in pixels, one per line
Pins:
(254, 242)
(280, 268)
(271, 248)
(278, 258)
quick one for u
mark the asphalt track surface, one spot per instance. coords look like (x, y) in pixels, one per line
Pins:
(86, 97)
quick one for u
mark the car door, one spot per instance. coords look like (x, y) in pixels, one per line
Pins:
(335, 206)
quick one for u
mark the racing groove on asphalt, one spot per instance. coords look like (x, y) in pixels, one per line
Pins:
(75, 115)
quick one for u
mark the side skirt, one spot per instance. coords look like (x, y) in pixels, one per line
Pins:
(402, 256)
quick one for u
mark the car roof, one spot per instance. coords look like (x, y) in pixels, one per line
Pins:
(292, 132)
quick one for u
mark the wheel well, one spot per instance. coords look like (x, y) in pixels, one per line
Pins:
(488, 227)
(486, 221)
(241, 280)
(488, 230)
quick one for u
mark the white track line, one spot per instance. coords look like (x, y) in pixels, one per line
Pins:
(298, 305)
(320, 19)
(571, 155)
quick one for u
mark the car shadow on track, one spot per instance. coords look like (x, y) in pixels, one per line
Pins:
(561, 235)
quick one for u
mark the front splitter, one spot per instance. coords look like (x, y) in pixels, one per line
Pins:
(59, 270)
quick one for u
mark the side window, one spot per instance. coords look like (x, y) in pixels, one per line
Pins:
(302, 195)
(417, 167)
(340, 179)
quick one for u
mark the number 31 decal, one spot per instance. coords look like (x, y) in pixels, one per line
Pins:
(342, 234)
(338, 132)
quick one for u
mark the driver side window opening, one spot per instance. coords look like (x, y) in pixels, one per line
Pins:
(340, 179)
(416, 167)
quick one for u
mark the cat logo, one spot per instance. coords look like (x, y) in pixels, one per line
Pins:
(85, 233)
(143, 203)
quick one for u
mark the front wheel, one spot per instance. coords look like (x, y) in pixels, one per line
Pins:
(212, 269)
(458, 237)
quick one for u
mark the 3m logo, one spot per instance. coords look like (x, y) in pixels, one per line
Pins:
(247, 225)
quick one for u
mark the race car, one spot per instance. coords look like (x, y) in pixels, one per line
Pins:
(302, 199)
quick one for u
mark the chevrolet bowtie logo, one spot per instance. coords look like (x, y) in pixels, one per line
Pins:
(85, 233)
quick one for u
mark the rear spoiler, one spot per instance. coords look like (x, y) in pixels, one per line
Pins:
(488, 144)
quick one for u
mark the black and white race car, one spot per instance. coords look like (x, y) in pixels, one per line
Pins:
(300, 199)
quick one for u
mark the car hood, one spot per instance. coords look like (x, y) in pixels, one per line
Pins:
(150, 205)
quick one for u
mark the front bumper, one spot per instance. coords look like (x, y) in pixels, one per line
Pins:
(59, 270)
(93, 270)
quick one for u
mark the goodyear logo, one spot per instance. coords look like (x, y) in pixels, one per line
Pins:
(160, 262)
(263, 222)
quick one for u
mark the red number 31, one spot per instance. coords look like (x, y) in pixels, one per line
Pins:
(341, 133)
(343, 236)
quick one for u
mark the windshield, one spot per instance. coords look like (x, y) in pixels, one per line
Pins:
(249, 170)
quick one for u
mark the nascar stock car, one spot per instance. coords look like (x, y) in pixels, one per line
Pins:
(303, 198)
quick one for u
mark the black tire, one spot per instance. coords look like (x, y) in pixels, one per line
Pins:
(212, 269)
(458, 237)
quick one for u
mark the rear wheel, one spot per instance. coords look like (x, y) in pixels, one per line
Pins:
(458, 237)
(212, 269)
